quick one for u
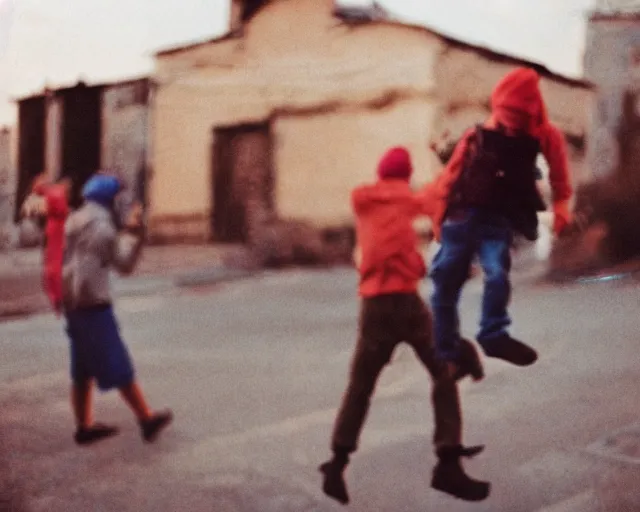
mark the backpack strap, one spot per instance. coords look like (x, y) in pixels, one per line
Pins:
(474, 142)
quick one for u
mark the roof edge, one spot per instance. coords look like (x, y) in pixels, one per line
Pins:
(87, 84)
(489, 53)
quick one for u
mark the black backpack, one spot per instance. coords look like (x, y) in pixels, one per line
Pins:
(499, 176)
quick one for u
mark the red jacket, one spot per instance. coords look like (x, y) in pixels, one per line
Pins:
(517, 104)
(390, 257)
(57, 211)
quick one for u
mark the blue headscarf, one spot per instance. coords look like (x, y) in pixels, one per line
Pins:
(102, 189)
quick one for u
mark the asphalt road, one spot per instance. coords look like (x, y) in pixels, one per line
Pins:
(254, 371)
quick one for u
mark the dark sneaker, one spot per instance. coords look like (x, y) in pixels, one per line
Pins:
(511, 350)
(152, 427)
(469, 362)
(334, 485)
(94, 433)
(449, 476)
(471, 451)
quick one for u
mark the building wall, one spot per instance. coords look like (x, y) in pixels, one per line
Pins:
(7, 187)
(336, 84)
(609, 210)
(53, 137)
(612, 62)
(326, 155)
(125, 134)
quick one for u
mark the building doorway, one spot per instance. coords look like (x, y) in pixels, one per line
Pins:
(31, 146)
(81, 136)
(629, 135)
(242, 179)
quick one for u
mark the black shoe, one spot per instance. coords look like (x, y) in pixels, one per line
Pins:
(334, 485)
(469, 362)
(151, 428)
(511, 350)
(94, 433)
(471, 451)
(449, 477)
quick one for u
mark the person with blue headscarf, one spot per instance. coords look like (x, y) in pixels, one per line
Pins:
(94, 245)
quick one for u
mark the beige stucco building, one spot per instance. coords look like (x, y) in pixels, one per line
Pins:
(293, 108)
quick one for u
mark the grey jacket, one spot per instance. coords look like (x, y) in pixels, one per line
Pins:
(92, 247)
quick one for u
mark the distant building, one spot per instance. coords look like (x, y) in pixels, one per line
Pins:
(608, 207)
(283, 115)
(612, 63)
(75, 131)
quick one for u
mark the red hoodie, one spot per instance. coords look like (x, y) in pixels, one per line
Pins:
(517, 104)
(57, 211)
(385, 211)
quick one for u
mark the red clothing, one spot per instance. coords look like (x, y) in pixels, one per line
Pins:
(395, 164)
(391, 261)
(517, 104)
(57, 211)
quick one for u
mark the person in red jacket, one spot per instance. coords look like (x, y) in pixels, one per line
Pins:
(57, 210)
(54, 209)
(391, 267)
(480, 199)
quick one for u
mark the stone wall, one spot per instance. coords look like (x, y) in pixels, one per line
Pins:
(608, 207)
(125, 136)
(7, 189)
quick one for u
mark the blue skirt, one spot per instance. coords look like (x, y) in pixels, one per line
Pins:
(97, 350)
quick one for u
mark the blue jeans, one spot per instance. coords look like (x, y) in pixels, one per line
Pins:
(465, 234)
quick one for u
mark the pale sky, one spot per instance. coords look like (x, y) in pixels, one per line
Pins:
(56, 42)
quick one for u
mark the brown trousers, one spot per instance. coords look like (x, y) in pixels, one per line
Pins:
(386, 321)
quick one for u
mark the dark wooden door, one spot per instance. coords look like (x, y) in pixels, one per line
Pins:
(630, 140)
(31, 146)
(81, 135)
(242, 180)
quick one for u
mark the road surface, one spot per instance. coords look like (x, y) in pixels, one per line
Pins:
(254, 371)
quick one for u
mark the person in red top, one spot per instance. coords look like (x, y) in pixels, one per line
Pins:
(391, 312)
(468, 223)
(55, 209)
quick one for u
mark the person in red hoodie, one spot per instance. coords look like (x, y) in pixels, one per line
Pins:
(486, 192)
(55, 209)
(391, 267)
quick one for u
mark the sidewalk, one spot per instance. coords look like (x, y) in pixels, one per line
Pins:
(161, 269)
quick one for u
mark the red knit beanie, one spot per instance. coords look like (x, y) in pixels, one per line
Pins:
(395, 164)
